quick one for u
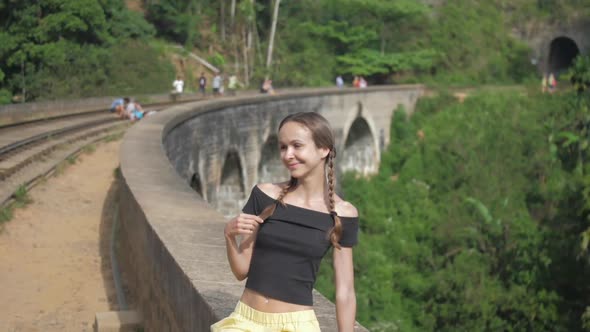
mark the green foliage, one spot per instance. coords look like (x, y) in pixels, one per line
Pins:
(176, 20)
(217, 60)
(124, 24)
(351, 37)
(473, 222)
(5, 96)
(462, 42)
(6, 214)
(579, 73)
(72, 49)
(146, 70)
(371, 62)
(21, 196)
(475, 45)
(586, 319)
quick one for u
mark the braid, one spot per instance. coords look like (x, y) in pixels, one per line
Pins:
(336, 231)
(269, 210)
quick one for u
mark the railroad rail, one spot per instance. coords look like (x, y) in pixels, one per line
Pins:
(32, 150)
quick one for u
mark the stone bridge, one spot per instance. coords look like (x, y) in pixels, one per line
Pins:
(184, 169)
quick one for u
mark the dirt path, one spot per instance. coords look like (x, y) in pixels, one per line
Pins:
(54, 252)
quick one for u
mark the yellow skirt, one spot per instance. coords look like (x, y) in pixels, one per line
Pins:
(247, 319)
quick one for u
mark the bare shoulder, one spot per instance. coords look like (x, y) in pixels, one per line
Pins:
(272, 189)
(345, 209)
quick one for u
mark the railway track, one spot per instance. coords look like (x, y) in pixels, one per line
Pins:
(31, 151)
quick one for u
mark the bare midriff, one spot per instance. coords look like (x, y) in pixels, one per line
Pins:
(267, 304)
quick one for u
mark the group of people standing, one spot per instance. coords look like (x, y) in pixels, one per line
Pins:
(217, 85)
(357, 82)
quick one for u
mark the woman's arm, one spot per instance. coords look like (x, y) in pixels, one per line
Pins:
(345, 295)
(239, 256)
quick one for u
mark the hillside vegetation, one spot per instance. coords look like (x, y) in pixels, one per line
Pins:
(79, 48)
(478, 219)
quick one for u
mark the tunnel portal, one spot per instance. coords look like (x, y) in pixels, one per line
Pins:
(562, 53)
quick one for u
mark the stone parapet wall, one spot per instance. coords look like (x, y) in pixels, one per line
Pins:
(171, 239)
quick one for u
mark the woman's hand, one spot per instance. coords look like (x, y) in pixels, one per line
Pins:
(239, 256)
(243, 224)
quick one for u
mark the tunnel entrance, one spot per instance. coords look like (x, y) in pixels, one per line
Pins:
(562, 53)
(270, 167)
(360, 152)
(231, 195)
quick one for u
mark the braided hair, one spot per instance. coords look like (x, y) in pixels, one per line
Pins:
(323, 137)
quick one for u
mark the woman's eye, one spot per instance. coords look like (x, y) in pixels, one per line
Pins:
(282, 147)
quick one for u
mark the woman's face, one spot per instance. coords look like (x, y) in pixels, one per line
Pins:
(298, 151)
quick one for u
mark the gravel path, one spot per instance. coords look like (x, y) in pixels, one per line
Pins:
(54, 253)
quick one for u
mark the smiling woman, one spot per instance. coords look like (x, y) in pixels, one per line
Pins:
(286, 229)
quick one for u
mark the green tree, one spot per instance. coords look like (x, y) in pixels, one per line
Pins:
(475, 45)
(65, 48)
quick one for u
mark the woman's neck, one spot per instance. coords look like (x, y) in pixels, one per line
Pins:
(311, 189)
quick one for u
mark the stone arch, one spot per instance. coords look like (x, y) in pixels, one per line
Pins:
(360, 151)
(562, 52)
(231, 193)
(270, 167)
(196, 184)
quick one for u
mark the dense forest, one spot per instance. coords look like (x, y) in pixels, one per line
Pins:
(78, 48)
(478, 219)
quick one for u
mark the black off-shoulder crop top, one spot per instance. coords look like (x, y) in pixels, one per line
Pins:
(289, 248)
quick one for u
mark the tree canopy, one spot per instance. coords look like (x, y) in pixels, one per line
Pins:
(67, 48)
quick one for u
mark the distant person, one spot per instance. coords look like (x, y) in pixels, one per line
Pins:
(267, 87)
(356, 82)
(202, 84)
(217, 81)
(118, 107)
(178, 85)
(339, 81)
(126, 106)
(222, 85)
(233, 84)
(362, 82)
(552, 83)
(133, 110)
(544, 83)
(263, 86)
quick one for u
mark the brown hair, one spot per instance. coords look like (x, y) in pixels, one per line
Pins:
(323, 137)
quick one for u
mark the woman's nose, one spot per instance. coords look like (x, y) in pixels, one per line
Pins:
(288, 154)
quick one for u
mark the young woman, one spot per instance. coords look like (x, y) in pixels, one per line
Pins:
(286, 229)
